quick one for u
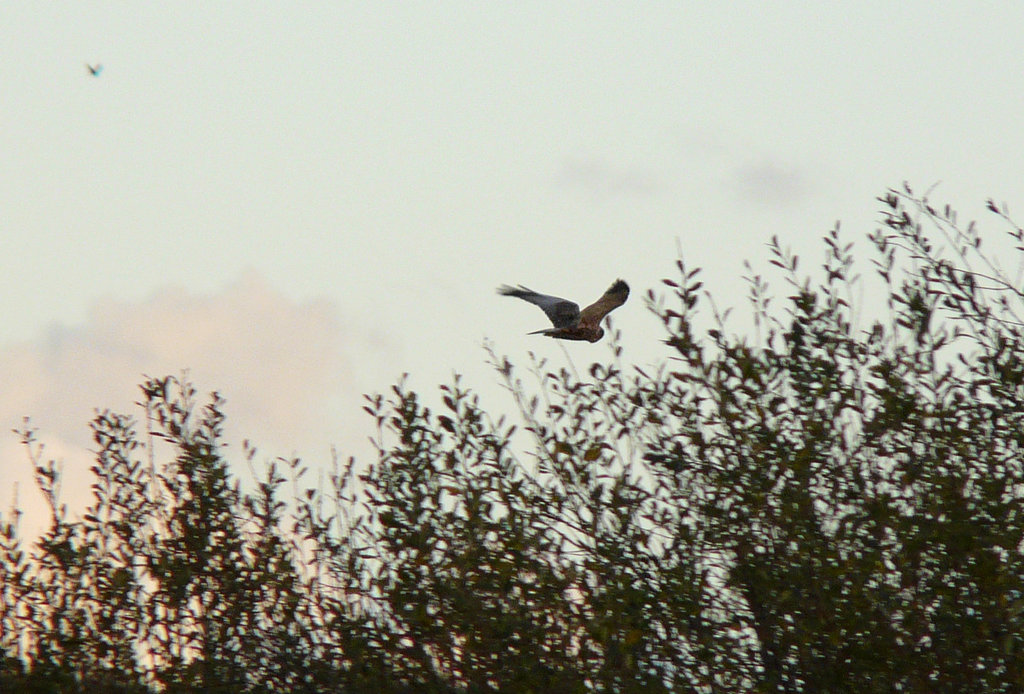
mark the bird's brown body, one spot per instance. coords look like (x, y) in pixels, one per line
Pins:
(570, 323)
(589, 334)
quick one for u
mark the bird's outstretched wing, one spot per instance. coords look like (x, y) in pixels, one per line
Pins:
(562, 312)
(94, 71)
(616, 296)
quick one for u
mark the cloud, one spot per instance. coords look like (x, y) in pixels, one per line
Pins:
(601, 178)
(743, 171)
(283, 367)
(769, 182)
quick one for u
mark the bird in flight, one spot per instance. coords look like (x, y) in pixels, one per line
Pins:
(94, 70)
(570, 322)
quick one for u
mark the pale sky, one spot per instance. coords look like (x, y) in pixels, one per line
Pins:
(301, 201)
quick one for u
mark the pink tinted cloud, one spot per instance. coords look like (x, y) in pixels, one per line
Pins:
(283, 367)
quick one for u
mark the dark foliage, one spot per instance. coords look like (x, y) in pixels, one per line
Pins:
(823, 507)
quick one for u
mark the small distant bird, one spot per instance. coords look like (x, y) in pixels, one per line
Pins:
(94, 70)
(570, 322)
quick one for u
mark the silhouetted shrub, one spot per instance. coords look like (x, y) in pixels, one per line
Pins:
(823, 506)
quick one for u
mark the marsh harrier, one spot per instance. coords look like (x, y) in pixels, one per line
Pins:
(570, 322)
